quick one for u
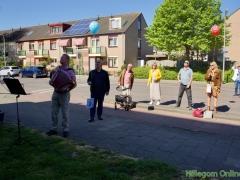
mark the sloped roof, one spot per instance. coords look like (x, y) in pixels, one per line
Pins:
(43, 31)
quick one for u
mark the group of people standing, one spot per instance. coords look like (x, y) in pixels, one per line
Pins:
(99, 83)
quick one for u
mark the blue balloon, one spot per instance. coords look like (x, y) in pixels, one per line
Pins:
(94, 27)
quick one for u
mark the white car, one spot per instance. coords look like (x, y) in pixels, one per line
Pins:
(9, 71)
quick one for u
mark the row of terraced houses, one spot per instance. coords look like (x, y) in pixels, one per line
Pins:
(120, 38)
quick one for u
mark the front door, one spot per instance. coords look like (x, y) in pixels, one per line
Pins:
(92, 63)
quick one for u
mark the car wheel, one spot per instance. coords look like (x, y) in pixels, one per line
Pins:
(34, 75)
(20, 75)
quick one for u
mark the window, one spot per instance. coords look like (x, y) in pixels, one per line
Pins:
(11, 47)
(115, 23)
(20, 46)
(139, 43)
(53, 45)
(113, 41)
(40, 45)
(95, 42)
(80, 46)
(56, 29)
(31, 46)
(113, 62)
(139, 23)
(30, 32)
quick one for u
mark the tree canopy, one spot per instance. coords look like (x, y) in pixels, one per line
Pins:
(186, 25)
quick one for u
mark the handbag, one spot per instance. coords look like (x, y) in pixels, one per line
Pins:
(207, 114)
(90, 103)
(198, 113)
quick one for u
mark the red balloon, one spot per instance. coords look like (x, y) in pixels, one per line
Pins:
(215, 30)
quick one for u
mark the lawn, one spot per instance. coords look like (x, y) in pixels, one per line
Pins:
(58, 158)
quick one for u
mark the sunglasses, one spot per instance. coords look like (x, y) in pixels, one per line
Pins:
(211, 65)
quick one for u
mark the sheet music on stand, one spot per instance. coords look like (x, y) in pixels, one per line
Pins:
(15, 87)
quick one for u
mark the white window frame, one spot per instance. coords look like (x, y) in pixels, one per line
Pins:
(115, 23)
(139, 43)
(56, 29)
(95, 42)
(31, 46)
(115, 43)
(41, 45)
(52, 45)
(113, 62)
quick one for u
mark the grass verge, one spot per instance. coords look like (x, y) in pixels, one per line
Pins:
(58, 158)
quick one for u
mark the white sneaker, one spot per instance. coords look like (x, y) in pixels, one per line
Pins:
(151, 102)
(158, 103)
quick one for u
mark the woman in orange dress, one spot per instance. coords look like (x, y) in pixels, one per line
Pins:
(214, 78)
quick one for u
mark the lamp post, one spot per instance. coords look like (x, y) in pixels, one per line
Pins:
(4, 50)
(155, 52)
(224, 44)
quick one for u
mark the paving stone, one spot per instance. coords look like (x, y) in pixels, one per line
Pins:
(214, 161)
(143, 154)
(124, 141)
(199, 154)
(194, 162)
(235, 162)
(190, 144)
(175, 161)
(159, 154)
(185, 148)
(221, 150)
(179, 154)
(133, 148)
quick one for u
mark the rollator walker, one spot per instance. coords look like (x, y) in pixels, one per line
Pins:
(125, 101)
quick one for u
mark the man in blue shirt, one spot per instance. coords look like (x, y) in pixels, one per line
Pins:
(98, 80)
(185, 77)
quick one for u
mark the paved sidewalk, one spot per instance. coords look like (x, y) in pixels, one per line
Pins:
(172, 135)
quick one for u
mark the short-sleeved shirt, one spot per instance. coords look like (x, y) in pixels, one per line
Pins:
(185, 75)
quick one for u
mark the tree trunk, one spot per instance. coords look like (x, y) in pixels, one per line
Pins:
(187, 52)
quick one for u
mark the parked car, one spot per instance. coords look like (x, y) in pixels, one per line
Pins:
(9, 71)
(34, 71)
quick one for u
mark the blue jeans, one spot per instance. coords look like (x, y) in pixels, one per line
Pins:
(237, 86)
(98, 98)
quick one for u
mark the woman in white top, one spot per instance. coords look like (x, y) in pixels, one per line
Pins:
(236, 79)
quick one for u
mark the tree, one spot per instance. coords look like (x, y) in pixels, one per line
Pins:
(185, 25)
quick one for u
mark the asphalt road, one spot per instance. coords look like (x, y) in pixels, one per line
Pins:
(228, 105)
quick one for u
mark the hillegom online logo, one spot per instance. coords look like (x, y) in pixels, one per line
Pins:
(222, 173)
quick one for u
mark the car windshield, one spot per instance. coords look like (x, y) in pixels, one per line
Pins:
(41, 67)
(15, 67)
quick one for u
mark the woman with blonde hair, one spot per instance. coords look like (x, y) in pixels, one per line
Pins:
(214, 78)
(154, 83)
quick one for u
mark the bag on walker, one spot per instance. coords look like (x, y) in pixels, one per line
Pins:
(90, 103)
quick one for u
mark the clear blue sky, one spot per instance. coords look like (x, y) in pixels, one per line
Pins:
(24, 13)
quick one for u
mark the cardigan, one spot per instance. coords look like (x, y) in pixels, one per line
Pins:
(158, 75)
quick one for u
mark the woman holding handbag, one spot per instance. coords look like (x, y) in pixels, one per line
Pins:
(154, 83)
(214, 79)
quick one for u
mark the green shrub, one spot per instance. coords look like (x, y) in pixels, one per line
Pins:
(42, 63)
(170, 73)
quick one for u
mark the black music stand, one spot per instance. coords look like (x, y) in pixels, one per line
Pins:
(15, 87)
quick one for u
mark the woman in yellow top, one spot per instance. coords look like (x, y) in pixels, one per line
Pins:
(154, 83)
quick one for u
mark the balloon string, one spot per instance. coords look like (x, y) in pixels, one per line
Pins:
(214, 48)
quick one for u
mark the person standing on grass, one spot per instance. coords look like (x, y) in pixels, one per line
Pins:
(185, 78)
(61, 100)
(154, 83)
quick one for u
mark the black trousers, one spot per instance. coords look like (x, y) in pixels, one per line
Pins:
(183, 88)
